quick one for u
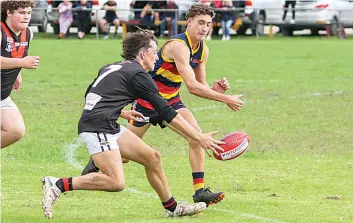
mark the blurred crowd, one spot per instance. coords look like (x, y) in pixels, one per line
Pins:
(160, 16)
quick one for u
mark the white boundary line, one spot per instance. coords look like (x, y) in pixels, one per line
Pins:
(246, 215)
(70, 157)
(70, 149)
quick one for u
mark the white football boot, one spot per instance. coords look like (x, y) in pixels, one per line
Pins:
(51, 194)
(186, 209)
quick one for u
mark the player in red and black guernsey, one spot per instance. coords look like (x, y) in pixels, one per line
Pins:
(15, 38)
(183, 59)
(116, 86)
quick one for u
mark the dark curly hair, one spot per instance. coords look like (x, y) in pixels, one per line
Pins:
(199, 9)
(134, 42)
(13, 5)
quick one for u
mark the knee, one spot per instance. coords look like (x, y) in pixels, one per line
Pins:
(193, 144)
(118, 186)
(17, 133)
(154, 159)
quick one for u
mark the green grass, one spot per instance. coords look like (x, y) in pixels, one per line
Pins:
(298, 113)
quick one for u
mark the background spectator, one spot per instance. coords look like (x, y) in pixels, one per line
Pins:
(66, 17)
(288, 3)
(144, 12)
(138, 6)
(214, 20)
(83, 17)
(218, 3)
(169, 17)
(147, 14)
(111, 17)
(227, 19)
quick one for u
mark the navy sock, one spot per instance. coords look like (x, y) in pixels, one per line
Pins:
(198, 180)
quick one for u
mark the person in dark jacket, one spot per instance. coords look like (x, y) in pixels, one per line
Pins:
(83, 17)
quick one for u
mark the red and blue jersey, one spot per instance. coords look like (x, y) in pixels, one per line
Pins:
(166, 75)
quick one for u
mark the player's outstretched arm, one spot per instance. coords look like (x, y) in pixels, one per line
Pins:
(29, 62)
(131, 115)
(206, 141)
(144, 86)
(179, 52)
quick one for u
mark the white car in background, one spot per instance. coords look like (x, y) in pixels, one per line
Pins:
(317, 15)
(257, 14)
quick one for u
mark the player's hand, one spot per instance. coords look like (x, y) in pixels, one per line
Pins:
(131, 115)
(18, 83)
(221, 85)
(30, 62)
(234, 102)
(210, 144)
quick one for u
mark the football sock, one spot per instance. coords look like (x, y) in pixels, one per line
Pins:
(170, 205)
(64, 184)
(198, 178)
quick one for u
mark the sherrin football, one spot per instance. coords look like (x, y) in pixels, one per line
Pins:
(236, 144)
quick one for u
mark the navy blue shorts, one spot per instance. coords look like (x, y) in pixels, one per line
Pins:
(152, 113)
(110, 19)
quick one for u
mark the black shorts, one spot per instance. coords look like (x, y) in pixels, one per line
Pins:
(110, 19)
(152, 113)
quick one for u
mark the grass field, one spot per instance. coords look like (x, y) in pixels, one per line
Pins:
(298, 113)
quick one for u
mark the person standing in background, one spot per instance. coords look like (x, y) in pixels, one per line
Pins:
(288, 3)
(227, 19)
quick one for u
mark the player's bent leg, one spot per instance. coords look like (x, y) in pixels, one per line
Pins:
(197, 162)
(196, 153)
(133, 148)
(105, 152)
(139, 130)
(111, 179)
(12, 126)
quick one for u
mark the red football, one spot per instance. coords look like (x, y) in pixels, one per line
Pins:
(236, 144)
